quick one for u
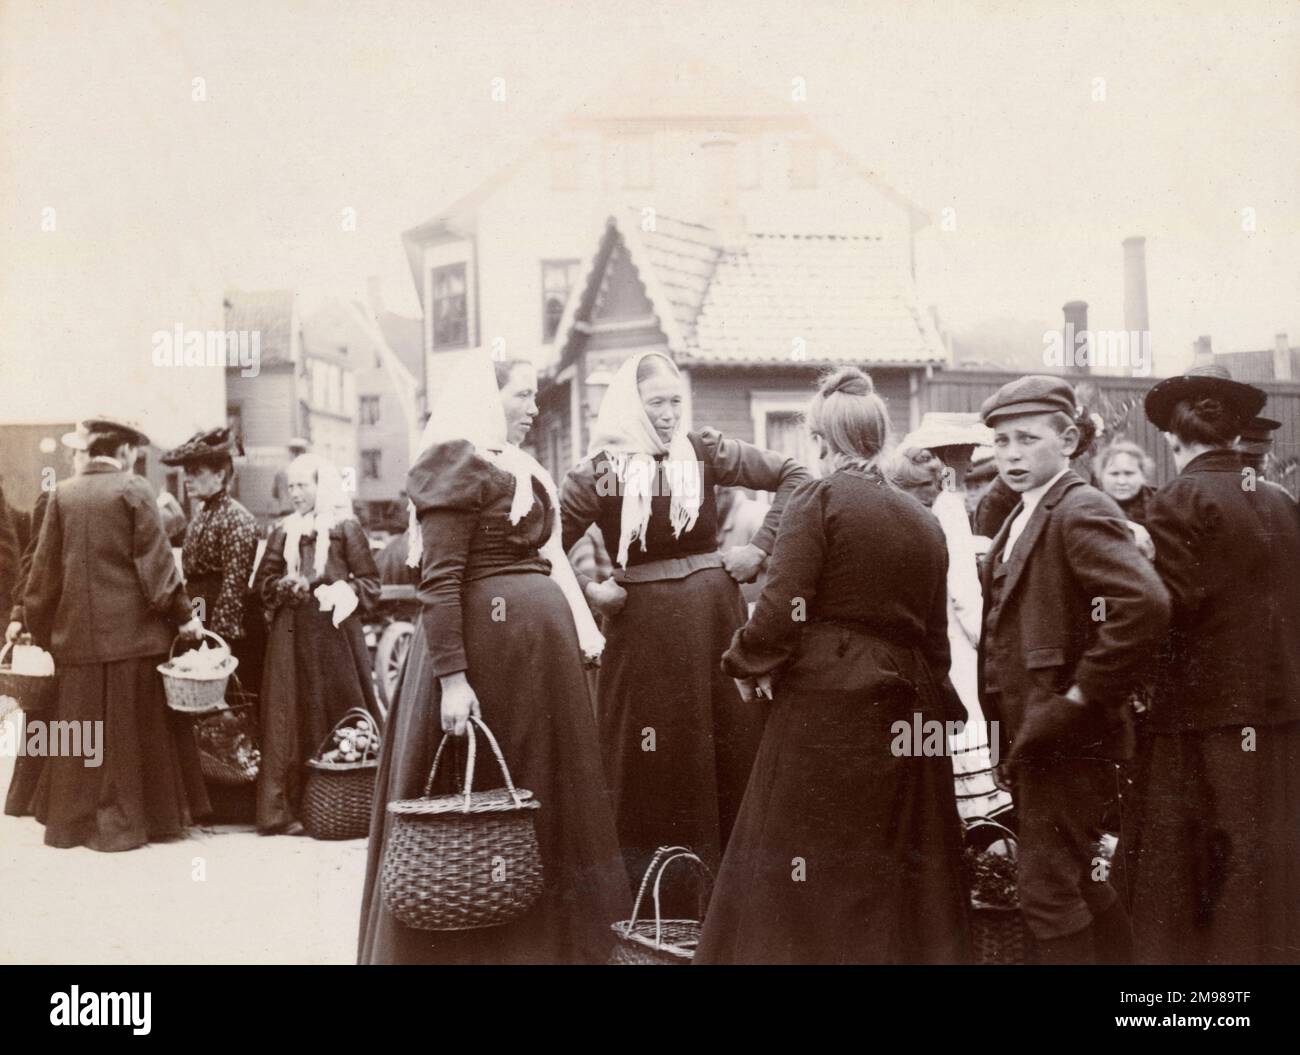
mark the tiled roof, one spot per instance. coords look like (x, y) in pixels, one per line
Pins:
(269, 311)
(810, 298)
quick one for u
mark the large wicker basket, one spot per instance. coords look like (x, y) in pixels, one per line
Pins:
(463, 861)
(34, 693)
(998, 931)
(197, 693)
(338, 796)
(662, 942)
(228, 740)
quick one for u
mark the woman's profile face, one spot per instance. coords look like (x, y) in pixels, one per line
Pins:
(519, 401)
(302, 488)
(1122, 478)
(661, 396)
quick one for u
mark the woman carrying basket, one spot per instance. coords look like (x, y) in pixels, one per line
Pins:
(105, 597)
(848, 845)
(502, 638)
(317, 577)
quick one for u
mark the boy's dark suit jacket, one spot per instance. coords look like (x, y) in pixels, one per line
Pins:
(1079, 605)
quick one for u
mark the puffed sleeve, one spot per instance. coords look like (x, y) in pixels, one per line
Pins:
(736, 463)
(447, 487)
(266, 583)
(579, 508)
(238, 545)
(363, 573)
(160, 581)
(772, 634)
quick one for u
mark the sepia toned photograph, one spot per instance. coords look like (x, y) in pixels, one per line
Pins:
(652, 483)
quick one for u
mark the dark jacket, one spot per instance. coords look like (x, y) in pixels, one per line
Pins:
(856, 597)
(1230, 557)
(103, 583)
(17, 613)
(10, 557)
(1079, 605)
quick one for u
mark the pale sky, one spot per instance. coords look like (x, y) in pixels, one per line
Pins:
(384, 106)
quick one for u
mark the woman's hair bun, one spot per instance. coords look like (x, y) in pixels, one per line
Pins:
(1209, 409)
(847, 379)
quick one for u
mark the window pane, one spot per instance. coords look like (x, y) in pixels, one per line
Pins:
(450, 318)
(557, 280)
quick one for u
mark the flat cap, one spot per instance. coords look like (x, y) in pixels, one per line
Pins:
(1032, 394)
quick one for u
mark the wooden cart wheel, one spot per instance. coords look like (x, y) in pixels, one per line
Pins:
(390, 658)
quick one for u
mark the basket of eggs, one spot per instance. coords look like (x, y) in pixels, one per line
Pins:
(340, 788)
(195, 681)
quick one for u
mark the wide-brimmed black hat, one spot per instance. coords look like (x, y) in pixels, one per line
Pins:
(202, 446)
(1243, 401)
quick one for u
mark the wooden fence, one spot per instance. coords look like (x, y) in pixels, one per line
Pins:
(1119, 402)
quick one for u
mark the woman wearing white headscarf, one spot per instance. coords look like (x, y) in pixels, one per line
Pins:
(678, 740)
(316, 665)
(502, 636)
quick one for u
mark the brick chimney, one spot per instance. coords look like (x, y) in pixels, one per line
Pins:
(1136, 320)
(719, 153)
(1203, 355)
(1282, 358)
(1076, 322)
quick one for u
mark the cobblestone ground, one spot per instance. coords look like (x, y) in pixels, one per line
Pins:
(223, 895)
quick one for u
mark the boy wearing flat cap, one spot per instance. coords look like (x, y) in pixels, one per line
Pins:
(1072, 613)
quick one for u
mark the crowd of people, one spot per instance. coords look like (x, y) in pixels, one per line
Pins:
(1109, 657)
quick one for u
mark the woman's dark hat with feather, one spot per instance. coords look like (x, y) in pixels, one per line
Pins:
(1243, 401)
(214, 445)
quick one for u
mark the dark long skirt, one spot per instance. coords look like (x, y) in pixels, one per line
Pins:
(314, 673)
(843, 853)
(20, 798)
(679, 742)
(1217, 874)
(529, 681)
(147, 786)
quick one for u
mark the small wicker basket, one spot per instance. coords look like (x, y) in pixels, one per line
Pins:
(463, 861)
(338, 796)
(228, 740)
(998, 932)
(197, 693)
(663, 942)
(34, 693)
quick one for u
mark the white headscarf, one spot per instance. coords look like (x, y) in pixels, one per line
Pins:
(332, 507)
(624, 432)
(468, 407)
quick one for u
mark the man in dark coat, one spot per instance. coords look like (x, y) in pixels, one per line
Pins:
(1072, 613)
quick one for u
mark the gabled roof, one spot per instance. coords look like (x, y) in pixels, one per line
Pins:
(267, 310)
(405, 336)
(684, 92)
(776, 298)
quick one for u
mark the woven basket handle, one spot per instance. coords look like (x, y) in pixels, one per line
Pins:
(353, 712)
(469, 764)
(663, 857)
(1009, 837)
(206, 633)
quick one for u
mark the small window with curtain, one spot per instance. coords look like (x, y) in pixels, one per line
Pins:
(450, 307)
(558, 277)
(368, 410)
(371, 464)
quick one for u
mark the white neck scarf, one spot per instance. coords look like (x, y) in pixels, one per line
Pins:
(468, 407)
(623, 431)
(332, 507)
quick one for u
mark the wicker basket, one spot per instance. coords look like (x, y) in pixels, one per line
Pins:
(998, 932)
(34, 693)
(193, 693)
(228, 740)
(464, 861)
(338, 796)
(661, 941)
